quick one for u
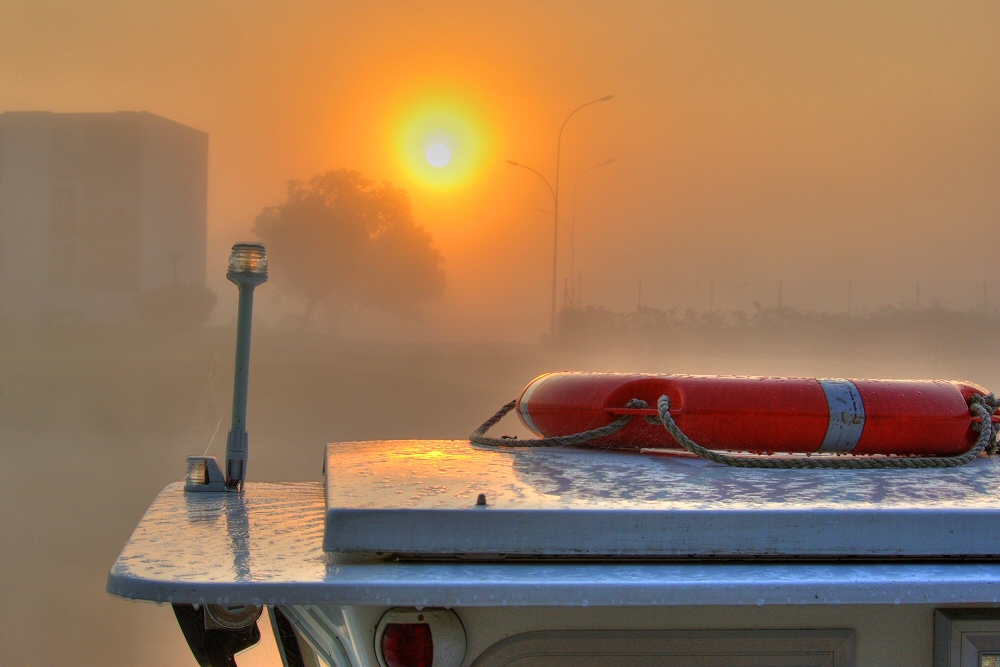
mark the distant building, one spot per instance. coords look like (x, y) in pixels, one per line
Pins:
(95, 210)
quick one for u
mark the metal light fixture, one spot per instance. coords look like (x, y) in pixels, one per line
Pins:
(247, 258)
(247, 269)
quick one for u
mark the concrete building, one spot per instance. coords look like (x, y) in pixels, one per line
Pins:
(97, 209)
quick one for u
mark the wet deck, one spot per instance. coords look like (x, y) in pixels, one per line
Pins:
(266, 545)
(419, 498)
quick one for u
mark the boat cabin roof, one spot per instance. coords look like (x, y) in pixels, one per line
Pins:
(419, 498)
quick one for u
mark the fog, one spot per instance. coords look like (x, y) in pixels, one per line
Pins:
(822, 141)
(797, 189)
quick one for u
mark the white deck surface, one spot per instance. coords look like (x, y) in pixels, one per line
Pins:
(265, 546)
(419, 498)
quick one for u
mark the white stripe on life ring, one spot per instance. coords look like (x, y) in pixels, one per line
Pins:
(847, 416)
(524, 406)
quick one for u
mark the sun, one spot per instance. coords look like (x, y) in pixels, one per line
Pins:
(438, 155)
(440, 142)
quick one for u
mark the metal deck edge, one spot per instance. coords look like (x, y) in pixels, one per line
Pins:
(596, 585)
(820, 533)
(264, 546)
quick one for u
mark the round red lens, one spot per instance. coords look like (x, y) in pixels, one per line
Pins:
(408, 645)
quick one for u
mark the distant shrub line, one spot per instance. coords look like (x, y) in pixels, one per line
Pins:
(766, 327)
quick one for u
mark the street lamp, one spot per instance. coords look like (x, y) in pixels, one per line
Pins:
(247, 269)
(536, 173)
(572, 222)
(555, 203)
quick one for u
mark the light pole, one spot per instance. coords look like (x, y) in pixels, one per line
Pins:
(536, 173)
(572, 224)
(247, 269)
(555, 203)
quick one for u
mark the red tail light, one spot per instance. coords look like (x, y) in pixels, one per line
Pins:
(408, 645)
(409, 637)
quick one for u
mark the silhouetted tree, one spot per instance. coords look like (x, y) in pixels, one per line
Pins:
(342, 241)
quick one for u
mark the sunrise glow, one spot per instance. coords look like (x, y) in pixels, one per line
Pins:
(441, 143)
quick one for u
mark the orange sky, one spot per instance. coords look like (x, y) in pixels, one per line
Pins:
(797, 141)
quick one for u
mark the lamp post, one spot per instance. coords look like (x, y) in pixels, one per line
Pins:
(555, 203)
(572, 223)
(247, 269)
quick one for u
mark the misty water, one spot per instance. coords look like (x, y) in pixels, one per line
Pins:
(95, 421)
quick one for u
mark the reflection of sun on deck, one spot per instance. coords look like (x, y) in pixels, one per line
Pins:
(425, 474)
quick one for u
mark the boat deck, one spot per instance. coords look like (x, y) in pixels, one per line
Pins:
(267, 544)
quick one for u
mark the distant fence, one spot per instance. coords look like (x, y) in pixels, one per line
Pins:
(749, 296)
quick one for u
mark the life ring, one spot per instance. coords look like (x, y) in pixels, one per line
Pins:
(759, 414)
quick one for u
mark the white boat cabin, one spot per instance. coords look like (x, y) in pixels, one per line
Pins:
(448, 554)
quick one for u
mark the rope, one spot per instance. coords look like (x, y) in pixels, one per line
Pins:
(981, 406)
(479, 435)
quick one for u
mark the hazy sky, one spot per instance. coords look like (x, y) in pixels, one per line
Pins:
(757, 140)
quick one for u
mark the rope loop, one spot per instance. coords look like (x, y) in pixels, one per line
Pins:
(479, 435)
(980, 406)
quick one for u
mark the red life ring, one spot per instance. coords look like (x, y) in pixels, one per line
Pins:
(760, 414)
